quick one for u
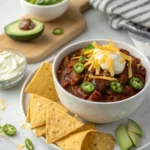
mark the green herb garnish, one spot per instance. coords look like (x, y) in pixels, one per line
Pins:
(88, 47)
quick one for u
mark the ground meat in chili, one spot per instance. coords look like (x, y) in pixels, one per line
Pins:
(71, 80)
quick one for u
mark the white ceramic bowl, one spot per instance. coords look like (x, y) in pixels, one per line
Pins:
(6, 84)
(45, 13)
(100, 112)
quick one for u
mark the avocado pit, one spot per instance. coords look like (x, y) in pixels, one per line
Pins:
(26, 24)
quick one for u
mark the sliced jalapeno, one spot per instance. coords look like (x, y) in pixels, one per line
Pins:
(116, 86)
(136, 83)
(28, 144)
(78, 68)
(88, 87)
(58, 31)
(82, 59)
(9, 129)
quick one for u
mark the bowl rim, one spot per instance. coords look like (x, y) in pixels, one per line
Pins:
(25, 64)
(44, 6)
(90, 102)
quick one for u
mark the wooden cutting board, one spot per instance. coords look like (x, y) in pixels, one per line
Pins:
(72, 22)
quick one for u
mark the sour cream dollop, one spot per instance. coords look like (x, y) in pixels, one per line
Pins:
(118, 63)
(11, 65)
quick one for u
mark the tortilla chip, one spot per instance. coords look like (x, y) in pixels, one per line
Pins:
(86, 127)
(28, 115)
(38, 106)
(74, 142)
(42, 83)
(59, 124)
(40, 131)
(98, 141)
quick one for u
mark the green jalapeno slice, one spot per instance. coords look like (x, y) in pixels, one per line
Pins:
(116, 87)
(78, 68)
(9, 129)
(136, 83)
(28, 144)
(58, 31)
(88, 87)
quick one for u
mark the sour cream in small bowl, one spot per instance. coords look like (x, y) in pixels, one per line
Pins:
(12, 67)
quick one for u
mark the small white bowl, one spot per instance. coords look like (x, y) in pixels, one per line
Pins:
(47, 12)
(100, 112)
(9, 83)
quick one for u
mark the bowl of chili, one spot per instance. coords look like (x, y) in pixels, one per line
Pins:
(101, 95)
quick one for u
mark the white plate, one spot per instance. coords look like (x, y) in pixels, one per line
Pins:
(141, 115)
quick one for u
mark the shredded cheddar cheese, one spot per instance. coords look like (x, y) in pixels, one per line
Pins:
(101, 55)
(122, 60)
(25, 126)
(130, 69)
(89, 51)
(2, 105)
(20, 147)
(103, 77)
(138, 65)
(77, 57)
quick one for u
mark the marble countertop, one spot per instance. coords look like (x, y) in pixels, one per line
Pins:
(11, 10)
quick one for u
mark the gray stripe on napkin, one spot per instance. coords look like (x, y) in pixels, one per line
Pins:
(139, 14)
(121, 5)
(128, 14)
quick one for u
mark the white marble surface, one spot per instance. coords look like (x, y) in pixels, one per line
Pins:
(11, 10)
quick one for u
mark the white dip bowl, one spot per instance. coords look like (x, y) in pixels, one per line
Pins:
(47, 12)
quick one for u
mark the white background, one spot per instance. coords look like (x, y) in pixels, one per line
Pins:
(10, 10)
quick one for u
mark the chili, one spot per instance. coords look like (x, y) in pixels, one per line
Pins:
(136, 83)
(78, 68)
(88, 87)
(116, 86)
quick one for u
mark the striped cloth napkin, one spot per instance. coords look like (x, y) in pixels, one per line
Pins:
(132, 15)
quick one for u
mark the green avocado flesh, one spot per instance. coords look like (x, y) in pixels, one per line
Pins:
(122, 138)
(134, 138)
(134, 127)
(14, 32)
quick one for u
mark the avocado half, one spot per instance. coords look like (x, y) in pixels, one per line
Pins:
(14, 32)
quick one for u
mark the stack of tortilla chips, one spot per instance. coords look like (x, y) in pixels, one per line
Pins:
(49, 118)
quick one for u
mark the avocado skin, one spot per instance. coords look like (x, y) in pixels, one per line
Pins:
(23, 37)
